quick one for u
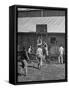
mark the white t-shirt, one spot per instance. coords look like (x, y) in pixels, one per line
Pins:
(46, 48)
(39, 42)
(29, 50)
(61, 50)
(39, 51)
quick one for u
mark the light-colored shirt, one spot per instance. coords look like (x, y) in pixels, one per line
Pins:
(39, 42)
(29, 50)
(39, 51)
(61, 50)
(46, 48)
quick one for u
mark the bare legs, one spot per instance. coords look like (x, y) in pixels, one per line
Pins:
(25, 67)
(40, 63)
(60, 59)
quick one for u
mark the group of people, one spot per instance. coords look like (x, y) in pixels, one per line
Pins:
(43, 50)
(41, 53)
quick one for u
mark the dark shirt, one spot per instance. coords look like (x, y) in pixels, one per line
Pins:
(23, 55)
(44, 51)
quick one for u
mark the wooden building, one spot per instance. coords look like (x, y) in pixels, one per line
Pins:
(50, 25)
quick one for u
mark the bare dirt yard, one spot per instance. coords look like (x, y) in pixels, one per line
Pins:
(47, 72)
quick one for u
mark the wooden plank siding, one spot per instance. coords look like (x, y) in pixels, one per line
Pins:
(37, 13)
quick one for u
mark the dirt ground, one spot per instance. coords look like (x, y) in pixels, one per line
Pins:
(47, 72)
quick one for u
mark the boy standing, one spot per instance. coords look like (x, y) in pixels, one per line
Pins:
(61, 52)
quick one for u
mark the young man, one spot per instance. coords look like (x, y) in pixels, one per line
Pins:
(46, 48)
(39, 42)
(24, 59)
(45, 51)
(61, 52)
(39, 54)
(29, 51)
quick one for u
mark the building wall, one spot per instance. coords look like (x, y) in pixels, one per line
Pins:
(27, 39)
(60, 38)
(40, 13)
(28, 20)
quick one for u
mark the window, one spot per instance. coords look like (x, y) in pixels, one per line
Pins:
(41, 28)
(53, 40)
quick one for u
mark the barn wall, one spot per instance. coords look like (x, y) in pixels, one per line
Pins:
(27, 39)
(60, 38)
(37, 13)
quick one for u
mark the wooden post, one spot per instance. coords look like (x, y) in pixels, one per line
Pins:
(42, 13)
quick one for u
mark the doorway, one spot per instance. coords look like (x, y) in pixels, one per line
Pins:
(41, 32)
